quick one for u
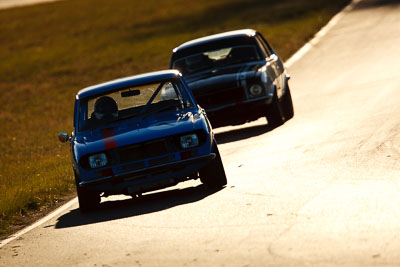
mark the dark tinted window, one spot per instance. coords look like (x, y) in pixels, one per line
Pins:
(216, 58)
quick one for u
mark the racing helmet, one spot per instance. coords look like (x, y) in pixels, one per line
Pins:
(105, 108)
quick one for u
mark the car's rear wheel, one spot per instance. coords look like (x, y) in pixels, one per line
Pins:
(88, 200)
(287, 104)
(213, 175)
(275, 115)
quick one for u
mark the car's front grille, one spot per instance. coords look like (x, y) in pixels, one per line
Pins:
(162, 160)
(143, 151)
(134, 166)
(220, 97)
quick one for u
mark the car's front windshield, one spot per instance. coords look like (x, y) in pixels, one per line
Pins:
(216, 58)
(133, 102)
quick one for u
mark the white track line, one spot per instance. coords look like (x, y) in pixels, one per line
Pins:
(299, 54)
(317, 37)
(6, 4)
(40, 222)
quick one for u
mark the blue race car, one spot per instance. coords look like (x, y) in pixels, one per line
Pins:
(140, 134)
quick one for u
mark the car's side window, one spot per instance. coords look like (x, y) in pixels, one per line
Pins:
(168, 91)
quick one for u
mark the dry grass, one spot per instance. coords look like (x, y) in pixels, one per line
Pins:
(50, 51)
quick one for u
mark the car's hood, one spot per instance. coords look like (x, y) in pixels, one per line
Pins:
(135, 131)
(228, 76)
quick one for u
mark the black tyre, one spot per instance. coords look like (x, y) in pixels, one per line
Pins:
(88, 200)
(275, 115)
(213, 175)
(287, 104)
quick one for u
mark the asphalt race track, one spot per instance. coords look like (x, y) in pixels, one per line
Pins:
(321, 190)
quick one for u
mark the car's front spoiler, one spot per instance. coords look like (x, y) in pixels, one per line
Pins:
(138, 173)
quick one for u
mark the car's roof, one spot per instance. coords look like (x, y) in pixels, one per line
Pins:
(126, 82)
(219, 36)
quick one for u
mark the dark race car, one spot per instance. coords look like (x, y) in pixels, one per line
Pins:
(236, 77)
(139, 134)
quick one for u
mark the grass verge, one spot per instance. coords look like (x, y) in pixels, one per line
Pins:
(50, 51)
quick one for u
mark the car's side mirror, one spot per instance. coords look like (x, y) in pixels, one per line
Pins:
(272, 58)
(63, 137)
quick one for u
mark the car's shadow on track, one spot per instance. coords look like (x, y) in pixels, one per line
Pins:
(242, 133)
(117, 209)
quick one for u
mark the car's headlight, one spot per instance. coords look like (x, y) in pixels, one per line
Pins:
(190, 140)
(256, 90)
(98, 160)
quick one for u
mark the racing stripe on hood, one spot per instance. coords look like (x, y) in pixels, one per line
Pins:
(109, 139)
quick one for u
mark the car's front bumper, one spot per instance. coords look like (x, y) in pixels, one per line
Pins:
(148, 179)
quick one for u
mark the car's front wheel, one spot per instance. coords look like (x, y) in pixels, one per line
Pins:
(275, 114)
(213, 175)
(287, 104)
(88, 200)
